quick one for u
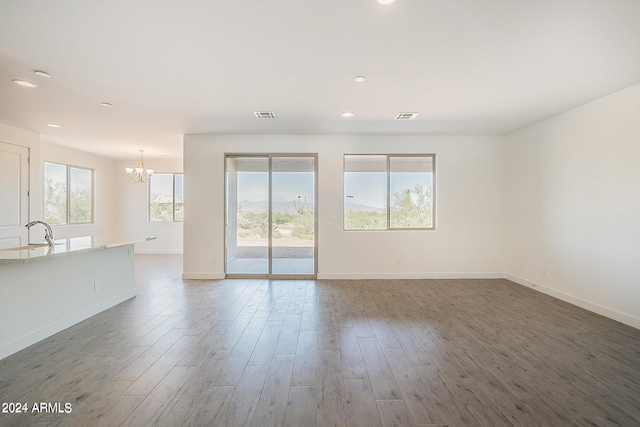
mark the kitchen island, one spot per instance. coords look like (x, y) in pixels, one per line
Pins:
(44, 289)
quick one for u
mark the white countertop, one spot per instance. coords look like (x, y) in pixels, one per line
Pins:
(67, 246)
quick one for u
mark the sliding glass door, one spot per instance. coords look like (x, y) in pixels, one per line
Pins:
(247, 215)
(271, 215)
(293, 215)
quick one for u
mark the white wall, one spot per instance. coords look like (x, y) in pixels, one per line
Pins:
(104, 190)
(468, 241)
(132, 206)
(573, 206)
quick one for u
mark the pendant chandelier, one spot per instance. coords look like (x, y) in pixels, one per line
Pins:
(139, 174)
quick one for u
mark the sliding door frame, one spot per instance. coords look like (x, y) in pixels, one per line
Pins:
(270, 274)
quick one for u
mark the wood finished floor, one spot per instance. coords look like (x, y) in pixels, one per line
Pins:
(330, 353)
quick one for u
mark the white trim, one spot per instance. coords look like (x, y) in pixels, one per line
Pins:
(203, 276)
(46, 332)
(587, 305)
(356, 276)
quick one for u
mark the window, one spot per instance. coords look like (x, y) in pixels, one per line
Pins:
(68, 194)
(389, 192)
(166, 197)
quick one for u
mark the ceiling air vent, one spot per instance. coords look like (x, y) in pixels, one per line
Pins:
(406, 116)
(265, 114)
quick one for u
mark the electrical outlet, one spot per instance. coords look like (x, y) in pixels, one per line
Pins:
(544, 271)
(397, 261)
(96, 286)
(213, 261)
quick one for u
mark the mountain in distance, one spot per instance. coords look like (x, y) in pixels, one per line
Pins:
(261, 206)
(288, 207)
(356, 207)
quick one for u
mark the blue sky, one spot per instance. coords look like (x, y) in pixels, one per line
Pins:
(370, 188)
(287, 186)
(80, 177)
(367, 188)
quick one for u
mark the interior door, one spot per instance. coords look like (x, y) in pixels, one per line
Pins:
(14, 195)
(270, 222)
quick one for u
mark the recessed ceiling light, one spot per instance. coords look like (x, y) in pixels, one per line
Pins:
(106, 104)
(385, 1)
(164, 155)
(347, 114)
(42, 74)
(24, 83)
(54, 125)
(359, 79)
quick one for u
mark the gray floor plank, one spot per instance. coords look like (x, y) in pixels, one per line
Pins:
(330, 353)
(301, 407)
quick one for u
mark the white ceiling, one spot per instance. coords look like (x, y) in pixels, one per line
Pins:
(176, 67)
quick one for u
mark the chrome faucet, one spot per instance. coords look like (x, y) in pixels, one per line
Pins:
(48, 234)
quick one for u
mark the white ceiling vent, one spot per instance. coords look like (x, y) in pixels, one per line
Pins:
(265, 114)
(406, 116)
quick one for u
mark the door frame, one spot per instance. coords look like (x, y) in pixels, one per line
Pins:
(270, 274)
(14, 235)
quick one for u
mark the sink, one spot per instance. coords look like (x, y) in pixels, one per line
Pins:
(31, 246)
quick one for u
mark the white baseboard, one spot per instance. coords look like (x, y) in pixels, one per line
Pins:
(356, 276)
(587, 305)
(24, 342)
(203, 276)
(373, 276)
(143, 252)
